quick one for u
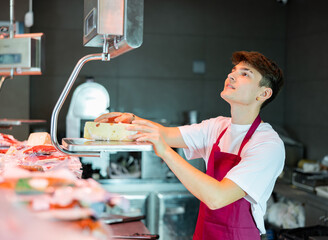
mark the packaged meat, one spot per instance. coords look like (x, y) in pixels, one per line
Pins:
(40, 158)
(8, 140)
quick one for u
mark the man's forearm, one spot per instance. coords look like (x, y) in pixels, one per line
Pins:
(213, 193)
(171, 135)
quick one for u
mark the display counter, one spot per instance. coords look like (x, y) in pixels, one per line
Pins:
(291, 192)
(127, 229)
(169, 209)
(316, 207)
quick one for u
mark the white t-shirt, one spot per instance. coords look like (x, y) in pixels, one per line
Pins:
(262, 158)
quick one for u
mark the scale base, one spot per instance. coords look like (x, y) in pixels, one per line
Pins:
(83, 145)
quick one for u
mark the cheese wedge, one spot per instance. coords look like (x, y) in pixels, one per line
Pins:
(39, 138)
(107, 131)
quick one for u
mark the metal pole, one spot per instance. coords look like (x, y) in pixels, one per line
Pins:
(12, 19)
(61, 100)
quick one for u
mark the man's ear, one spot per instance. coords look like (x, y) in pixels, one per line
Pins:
(266, 94)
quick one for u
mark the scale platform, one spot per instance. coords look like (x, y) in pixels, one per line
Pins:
(86, 145)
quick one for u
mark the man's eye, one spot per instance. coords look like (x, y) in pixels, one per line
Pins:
(244, 74)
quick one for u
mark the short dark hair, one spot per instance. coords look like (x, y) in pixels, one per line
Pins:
(272, 75)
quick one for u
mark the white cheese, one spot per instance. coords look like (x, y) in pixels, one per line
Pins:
(107, 131)
(39, 138)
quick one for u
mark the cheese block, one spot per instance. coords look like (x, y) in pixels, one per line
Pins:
(39, 138)
(107, 131)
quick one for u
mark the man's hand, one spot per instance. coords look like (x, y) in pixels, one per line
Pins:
(150, 132)
(171, 136)
(116, 117)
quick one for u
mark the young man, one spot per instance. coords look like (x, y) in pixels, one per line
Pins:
(243, 155)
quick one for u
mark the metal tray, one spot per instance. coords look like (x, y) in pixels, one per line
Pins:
(17, 122)
(86, 145)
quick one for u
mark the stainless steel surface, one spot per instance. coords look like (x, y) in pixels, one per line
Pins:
(177, 215)
(12, 18)
(137, 206)
(112, 47)
(309, 181)
(21, 55)
(139, 181)
(166, 203)
(141, 185)
(315, 206)
(95, 24)
(17, 122)
(153, 166)
(20, 47)
(62, 98)
(120, 22)
(136, 236)
(85, 145)
(113, 219)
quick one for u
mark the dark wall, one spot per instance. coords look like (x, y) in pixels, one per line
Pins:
(306, 98)
(156, 81)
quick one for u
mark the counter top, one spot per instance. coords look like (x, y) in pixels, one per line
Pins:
(290, 191)
(128, 228)
(141, 185)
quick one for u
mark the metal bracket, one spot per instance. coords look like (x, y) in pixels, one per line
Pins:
(106, 46)
(54, 117)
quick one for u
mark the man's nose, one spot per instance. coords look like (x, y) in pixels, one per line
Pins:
(231, 77)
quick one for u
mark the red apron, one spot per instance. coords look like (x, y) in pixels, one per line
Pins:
(234, 221)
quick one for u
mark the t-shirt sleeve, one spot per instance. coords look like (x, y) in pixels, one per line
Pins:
(259, 168)
(198, 137)
(195, 140)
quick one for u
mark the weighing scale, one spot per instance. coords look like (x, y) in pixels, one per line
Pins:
(117, 27)
(20, 54)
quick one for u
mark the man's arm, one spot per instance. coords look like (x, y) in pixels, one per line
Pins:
(172, 136)
(215, 194)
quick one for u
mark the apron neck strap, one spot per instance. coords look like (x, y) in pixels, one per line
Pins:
(250, 132)
(220, 136)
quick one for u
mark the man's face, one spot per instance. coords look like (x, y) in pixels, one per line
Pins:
(242, 85)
